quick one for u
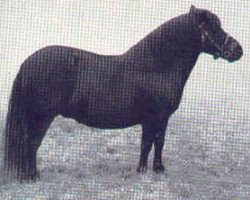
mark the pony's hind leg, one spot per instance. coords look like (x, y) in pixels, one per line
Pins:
(36, 132)
(25, 129)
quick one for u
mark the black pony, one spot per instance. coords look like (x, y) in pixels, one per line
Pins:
(142, 86)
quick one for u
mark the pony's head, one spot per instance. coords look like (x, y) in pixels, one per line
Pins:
(215, 41)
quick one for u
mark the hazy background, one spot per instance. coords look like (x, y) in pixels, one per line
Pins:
(207, 151)
(111, 27)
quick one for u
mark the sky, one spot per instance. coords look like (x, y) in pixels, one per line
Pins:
(111, 27)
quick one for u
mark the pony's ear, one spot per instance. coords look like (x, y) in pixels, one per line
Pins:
(201, 14)
(196, 11)
(192, 9)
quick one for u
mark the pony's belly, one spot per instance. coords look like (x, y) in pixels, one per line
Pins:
(108, 119)
(108, 122)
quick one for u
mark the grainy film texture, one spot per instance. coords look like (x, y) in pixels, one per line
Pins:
(207, 144)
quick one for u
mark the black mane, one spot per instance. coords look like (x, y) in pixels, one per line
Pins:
(178, 37)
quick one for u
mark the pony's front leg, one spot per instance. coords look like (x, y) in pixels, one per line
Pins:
(146, 145)
(153, 131)
(159, 140)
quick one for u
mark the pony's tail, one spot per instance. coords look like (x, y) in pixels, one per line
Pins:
(15, 136)
(26, 125)
(19, 136)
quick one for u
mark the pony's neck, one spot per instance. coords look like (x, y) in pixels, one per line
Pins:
(175, 45)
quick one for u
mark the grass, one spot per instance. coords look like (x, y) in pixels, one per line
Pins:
(206, 157)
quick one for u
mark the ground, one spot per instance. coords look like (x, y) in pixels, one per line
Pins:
(206, 157)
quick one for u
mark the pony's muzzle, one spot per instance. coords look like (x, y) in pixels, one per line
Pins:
(239, 52)
(234, 52)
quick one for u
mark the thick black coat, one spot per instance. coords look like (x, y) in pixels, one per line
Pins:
(142, 86)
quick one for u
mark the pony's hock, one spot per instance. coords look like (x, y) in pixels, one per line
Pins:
(142, 86)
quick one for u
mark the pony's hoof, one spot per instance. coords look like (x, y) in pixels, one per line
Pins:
(29, 178)
(141, 168)
(158, 168)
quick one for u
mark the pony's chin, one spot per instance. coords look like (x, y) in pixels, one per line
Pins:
(233, 58)
(227, 59)
(230, 60)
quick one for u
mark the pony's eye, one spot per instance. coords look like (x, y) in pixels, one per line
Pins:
(214, 26)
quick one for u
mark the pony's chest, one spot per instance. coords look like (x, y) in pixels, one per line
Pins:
(166, 87)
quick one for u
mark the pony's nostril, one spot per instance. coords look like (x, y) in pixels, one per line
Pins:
(227, 54)
(239, 51)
